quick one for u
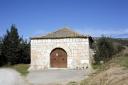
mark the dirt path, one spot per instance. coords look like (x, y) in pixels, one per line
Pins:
(52, 77)
(11, 77)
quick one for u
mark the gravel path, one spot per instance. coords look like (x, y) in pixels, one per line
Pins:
(55, 76)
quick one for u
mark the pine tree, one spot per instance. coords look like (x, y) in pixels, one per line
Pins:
(11, 45)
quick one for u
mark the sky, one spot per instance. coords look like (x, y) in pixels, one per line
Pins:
(90, 17)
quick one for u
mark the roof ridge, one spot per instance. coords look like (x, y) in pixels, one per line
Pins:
(62, 33)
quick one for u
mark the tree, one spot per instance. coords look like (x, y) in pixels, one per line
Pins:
(24, 52)
(2, 57)
(0, 46)
(11, 45)
(104, 49)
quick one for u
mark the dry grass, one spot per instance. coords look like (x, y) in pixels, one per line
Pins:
(115, 72)
(112, 76)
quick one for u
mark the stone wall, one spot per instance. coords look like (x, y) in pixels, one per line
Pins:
(77, 52)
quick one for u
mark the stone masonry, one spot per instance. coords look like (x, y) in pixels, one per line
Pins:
(77, 49)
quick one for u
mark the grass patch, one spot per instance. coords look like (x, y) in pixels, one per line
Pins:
(72, 83)
(84, 82)
(21, 68)
(97, 66)
(123, 61)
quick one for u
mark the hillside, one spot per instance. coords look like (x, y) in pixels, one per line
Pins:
(115, 72)
(123, 35)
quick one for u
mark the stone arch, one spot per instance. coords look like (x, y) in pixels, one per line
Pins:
(58, 58)
(65, 47)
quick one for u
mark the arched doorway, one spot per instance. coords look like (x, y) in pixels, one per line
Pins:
(58, 58)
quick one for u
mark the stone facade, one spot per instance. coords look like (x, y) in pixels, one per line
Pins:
(77, 49)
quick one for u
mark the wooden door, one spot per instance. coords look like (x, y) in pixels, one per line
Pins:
(58, 58)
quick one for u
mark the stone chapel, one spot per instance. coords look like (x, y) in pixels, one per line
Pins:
(62, 49)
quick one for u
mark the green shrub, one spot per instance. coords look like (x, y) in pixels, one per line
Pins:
(104, 49)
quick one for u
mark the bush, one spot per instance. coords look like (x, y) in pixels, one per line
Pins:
(104, 49)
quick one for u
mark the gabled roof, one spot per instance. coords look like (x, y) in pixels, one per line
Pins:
(61, 33)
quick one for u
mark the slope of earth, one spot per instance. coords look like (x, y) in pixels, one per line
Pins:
(115, 72)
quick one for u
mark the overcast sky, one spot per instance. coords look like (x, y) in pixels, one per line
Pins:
(92, 17)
